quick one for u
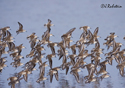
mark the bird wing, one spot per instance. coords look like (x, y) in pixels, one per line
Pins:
(67, 69)
(20, 26)
(51, 77)
(76, 76)
(96, 31)
(56, 76)
(70, 31)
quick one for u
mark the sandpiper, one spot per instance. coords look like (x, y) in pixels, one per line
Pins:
(72, 58)
(3, 30)
(75, 73)
(2, 65)
(51, 45)
(41, 78)
(42, 68)
(85, 28)
(13, 81)
(104, 76)
(20, 30)
(49, 25)
(51, 73)
(73, 48)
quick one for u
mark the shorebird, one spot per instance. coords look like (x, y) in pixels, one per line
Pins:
(49, 57)
(91, 40)
(32, 36)
(51, 45)
(103, 63)
(46, 36)
(78, 63)
(16, 63)
(25, 76)
(44, 41)
(110, 40)
(48, 25)
(14, 54)
(102, 70)
(41, 78)
(20, 30)
(83, 35)
(121, 53)
(33, 42)
(90, 68)
(51, 73)
(13, 80)
(72, 58)
(104, 76)
(42, 68)
(110, 58)
(2, 48)
(2, 59)
(85, 29)
(112, 35)
(62, 48)
(95, 33)
(2, 65)
(97, 47)
(19, 74)
(75, 73)
(18, 57)
(70, 31)
(3, 30)
(121, 68)
(81, 48)
(117, 58)
(60, 53)
(66, 37)
(124, 37)
(9, 37)
(82, 40)
(12, 47)
(19, 48)
(84, 54)
(39, 48)
(67, 42)
(91, 79)
(31, 54)
(30, 65)
(73, 48)
(66, 66)
(56, 68)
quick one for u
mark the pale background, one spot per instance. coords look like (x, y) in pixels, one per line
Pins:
(65, 14)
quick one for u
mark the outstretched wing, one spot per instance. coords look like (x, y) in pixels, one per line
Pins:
(96, 31)
(70, 31)
(20, 25)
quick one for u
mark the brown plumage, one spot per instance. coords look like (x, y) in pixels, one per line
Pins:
(20, 30)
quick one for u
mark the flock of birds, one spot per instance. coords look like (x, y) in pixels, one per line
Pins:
(73, 62)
